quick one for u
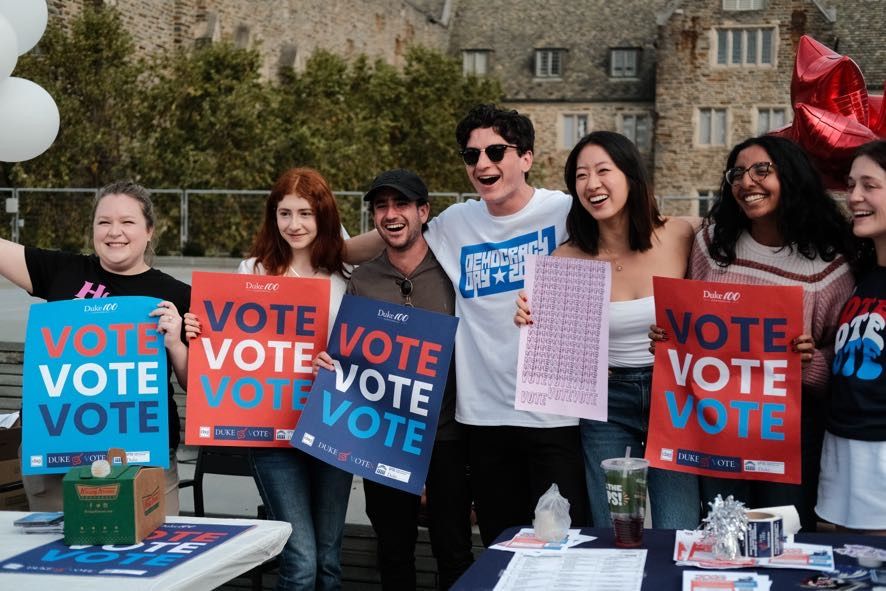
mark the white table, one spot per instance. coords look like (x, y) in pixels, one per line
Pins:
(206, 571)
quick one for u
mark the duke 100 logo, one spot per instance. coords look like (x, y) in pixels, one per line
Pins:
(100, 307)
(398, 317)
(726, 296)
(262, 286)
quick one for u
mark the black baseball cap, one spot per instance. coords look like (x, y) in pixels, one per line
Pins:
(405, 182)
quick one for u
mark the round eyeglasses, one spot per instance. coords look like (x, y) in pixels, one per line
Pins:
(757, 172)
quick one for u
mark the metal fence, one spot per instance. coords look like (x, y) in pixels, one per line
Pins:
(199, 222)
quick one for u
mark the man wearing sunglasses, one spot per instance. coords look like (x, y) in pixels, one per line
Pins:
(515, 455)
(406, 272)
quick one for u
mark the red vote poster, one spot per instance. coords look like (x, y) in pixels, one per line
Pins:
(249, 372)
(725, 395)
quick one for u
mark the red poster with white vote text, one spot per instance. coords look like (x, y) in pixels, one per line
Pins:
(725, 395)
(249, 371)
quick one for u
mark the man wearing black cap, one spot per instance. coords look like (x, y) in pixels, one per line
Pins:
(407, 272)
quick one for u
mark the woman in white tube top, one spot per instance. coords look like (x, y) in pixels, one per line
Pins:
(614, 218)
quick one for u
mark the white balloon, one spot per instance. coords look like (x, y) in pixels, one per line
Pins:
(29, 120)
(8, 48)
(28, 19)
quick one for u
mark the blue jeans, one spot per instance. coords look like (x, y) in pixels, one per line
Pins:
(313, 497)
(674, 496)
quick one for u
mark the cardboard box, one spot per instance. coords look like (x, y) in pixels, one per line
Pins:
(10, 441)
(13, 497)
(121, 508)
(10, 471)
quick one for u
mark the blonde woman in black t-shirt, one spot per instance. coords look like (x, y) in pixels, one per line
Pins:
(122, 230)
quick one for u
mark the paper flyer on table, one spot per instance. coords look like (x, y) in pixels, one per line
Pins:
(595, 569)
(168, 546)
(690, 550)
(699, 580)
(562, 367)
(525, 541)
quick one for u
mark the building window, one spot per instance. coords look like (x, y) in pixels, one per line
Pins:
(241, 36)
(769, 119)
(712, 127)
(706, 198)
(638, 129)
(575, 127)
(746, 47)
(623, 63)
(475, 62)
(548, 63)
(743, 4)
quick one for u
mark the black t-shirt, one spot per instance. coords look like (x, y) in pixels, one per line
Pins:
(63, 276)
(858, 386)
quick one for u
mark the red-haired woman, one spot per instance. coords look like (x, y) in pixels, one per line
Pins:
(301, 237)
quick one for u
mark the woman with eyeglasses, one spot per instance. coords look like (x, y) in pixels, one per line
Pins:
(774, 224)
(614, 218)
(301, 236)
(853, 461)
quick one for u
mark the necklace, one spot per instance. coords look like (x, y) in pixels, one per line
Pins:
(297, 274)
(618, 267)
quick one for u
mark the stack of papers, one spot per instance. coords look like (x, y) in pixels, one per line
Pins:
(41, 523)
(690, 550)
(525, 541)
(588, 569)
(700, 580)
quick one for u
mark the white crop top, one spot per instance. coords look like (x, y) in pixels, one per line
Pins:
(629, 323)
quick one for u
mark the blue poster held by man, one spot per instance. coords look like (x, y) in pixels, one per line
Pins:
(94, 378)
(376, 414)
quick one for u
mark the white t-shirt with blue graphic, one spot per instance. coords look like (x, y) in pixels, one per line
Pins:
(484, 255)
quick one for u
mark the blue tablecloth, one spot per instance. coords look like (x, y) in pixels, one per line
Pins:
(661, 574)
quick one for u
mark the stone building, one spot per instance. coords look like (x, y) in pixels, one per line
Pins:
(684, 79)
(571, 66)
(724, 75)
(286, 32)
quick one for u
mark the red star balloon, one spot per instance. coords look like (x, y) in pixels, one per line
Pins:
(833, 113)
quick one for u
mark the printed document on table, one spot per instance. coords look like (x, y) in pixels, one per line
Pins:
(702, 580)
(690, 549)
(591, 569)
(563, 363)
(525, 541)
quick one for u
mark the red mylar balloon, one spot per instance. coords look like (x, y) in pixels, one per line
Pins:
(877, 119)
(828, 80)
(833, 113)
(830, 139)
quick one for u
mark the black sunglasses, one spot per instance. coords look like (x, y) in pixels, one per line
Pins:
(405, 291)
(495, 153)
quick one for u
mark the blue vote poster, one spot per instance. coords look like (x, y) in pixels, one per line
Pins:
(166, 547)
(94, 378)
(376, 414)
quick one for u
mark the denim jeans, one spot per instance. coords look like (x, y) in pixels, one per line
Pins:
(673, 496)
(313, 497)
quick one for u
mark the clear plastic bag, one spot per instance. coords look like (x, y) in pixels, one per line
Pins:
(552, 519)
